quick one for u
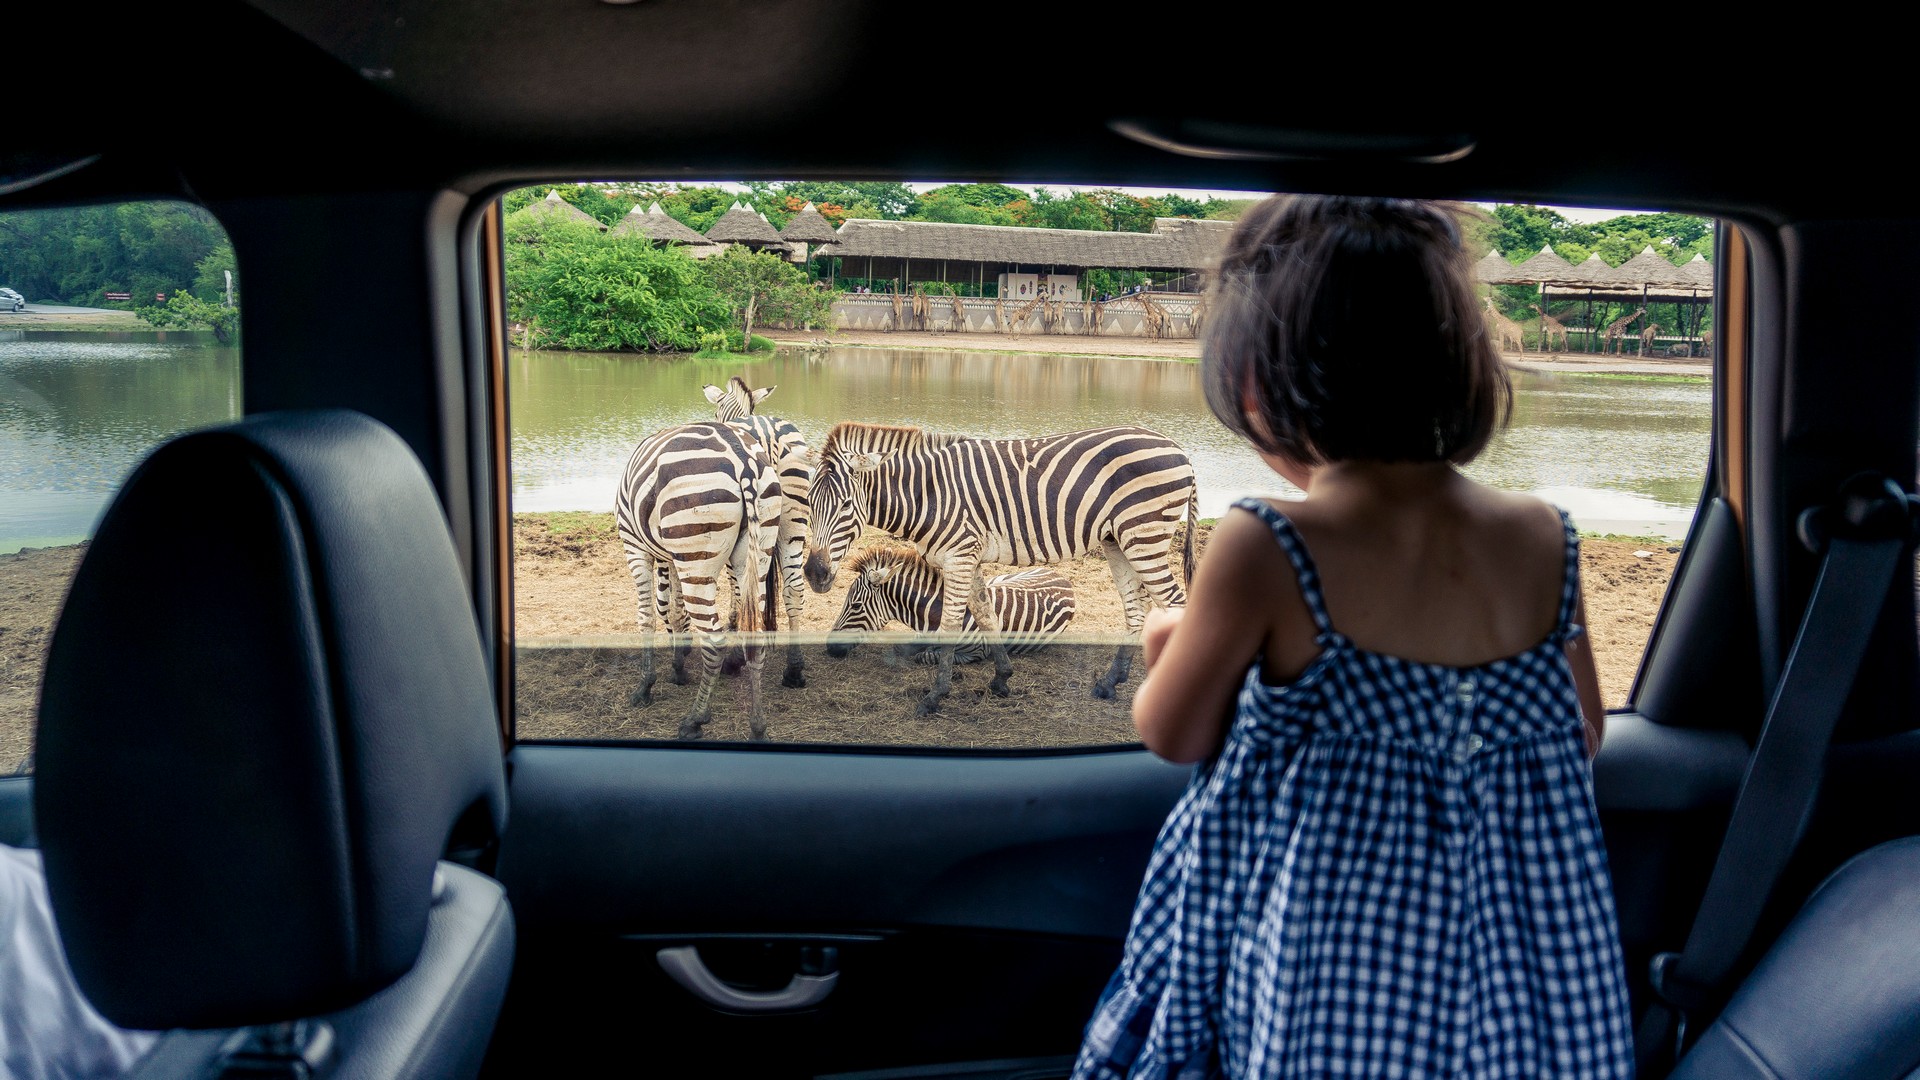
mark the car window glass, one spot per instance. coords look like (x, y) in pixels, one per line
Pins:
(119, 327)
(910, 304)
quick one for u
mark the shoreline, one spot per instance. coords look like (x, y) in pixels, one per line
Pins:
(1188, 350)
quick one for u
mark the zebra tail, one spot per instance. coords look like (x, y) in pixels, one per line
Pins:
(1193, 525)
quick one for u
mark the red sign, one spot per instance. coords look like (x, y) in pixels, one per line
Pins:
(119, 296)
(159, 298)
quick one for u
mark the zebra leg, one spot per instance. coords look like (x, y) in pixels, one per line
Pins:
(667, 593)
(988, 621)
(957, 584)
(646, 579)
(1128, 583)
(795, 583)
(698, 598)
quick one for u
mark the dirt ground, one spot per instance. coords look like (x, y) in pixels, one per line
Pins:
(1189, 349)
(575, 619)
(91, 319)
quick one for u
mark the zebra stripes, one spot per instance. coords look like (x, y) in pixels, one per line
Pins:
(894, 584)
(694, 502)
(1119, 490)
(735, 404)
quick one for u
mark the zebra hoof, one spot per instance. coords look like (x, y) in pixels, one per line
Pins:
(693, 726)
(928, 706)
(793, 679)
(679, 676)
(999, 686)
(642, 696)
(733, 663)
(1103, 690)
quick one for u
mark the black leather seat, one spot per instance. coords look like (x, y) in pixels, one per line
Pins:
(266, 718)
(1838, 995)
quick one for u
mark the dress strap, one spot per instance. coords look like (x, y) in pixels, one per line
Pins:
(1289, 540)
(1563, 624)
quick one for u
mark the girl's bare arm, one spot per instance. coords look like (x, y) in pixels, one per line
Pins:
(1183, 707)
(1585, 679)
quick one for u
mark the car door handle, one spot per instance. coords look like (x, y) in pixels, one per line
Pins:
(684, 966)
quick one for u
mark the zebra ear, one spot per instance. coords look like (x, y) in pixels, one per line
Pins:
(714, 393)
(878, 574)
(865, 462)
(760, 395)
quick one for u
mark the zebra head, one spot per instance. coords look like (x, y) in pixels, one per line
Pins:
(838, 508)
(736, 402)
(886, 589)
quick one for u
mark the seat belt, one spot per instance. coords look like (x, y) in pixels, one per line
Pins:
(1862, 533)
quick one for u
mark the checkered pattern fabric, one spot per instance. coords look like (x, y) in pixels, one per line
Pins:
(1391, 869)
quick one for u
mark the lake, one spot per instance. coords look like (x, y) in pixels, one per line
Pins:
(77, 412)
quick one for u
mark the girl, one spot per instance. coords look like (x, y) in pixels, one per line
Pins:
(1390, 863)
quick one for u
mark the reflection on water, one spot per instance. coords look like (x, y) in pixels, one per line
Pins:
(1622, 455)
(78, 411)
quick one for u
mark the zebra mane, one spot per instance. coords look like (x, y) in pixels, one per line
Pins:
(886, 555)
(858, 436)
(738, 386)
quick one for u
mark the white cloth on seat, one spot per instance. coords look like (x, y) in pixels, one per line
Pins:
(48, 1029)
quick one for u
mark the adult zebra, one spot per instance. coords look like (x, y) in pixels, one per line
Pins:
(695, 501)
(961, 502)
(735, 404)
(894, 584)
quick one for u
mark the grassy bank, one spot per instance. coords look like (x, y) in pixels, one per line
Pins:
(64, 322)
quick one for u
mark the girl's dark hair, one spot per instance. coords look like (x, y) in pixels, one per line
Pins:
(1346, 329)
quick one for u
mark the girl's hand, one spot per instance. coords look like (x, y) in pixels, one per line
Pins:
(1159, 626)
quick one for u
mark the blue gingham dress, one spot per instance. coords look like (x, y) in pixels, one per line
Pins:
(1391, 869)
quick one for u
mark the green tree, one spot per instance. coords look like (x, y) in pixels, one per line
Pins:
(760, 286)
(575, 287)
(185, 311)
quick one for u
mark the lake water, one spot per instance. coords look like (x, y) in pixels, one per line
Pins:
(1622, 455)
(77, 412)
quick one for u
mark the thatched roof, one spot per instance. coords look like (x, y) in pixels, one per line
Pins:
(1594, 271)
(807, 227)
(740, 225)
(655, 224)
(1649, 269)
(1545, 268)
(1698, 271)
(554, 208)
(1494, 269)
(1174, 244)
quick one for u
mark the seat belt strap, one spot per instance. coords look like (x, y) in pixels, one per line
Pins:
(1863, 534)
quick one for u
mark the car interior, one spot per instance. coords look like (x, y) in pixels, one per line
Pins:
(285, 810)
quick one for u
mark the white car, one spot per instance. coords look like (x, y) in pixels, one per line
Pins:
(12, 301)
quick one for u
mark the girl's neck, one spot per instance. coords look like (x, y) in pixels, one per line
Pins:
(1399, 481)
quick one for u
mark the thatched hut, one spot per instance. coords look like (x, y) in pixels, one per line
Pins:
(910, 251)
(740, 225)
(1494, 269)
(656, 225)
(804, 228)
(554, 208)
(1545, 268)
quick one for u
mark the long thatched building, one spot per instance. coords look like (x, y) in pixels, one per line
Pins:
(1021, 262)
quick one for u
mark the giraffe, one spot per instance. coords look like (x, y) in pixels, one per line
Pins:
(1706, 343)
(1616, 331)
(1646, 337)
(1505, 329)
(1550, 329)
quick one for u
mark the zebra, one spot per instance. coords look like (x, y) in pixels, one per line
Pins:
(735, 404)
(695, 501)
(894, 584)
(962, 501)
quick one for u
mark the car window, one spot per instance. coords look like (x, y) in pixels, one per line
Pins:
(125, 331)
(999, 312)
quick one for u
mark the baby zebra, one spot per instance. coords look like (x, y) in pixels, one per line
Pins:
(735, 405)
(894, 584)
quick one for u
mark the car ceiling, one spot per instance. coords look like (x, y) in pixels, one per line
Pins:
(465, 93)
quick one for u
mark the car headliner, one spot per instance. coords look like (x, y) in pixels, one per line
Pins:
(465, 94)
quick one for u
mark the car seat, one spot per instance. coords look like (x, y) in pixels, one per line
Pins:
(1838, 994)
(266, 719)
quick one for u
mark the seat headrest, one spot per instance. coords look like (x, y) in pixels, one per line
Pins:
(265, 709)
